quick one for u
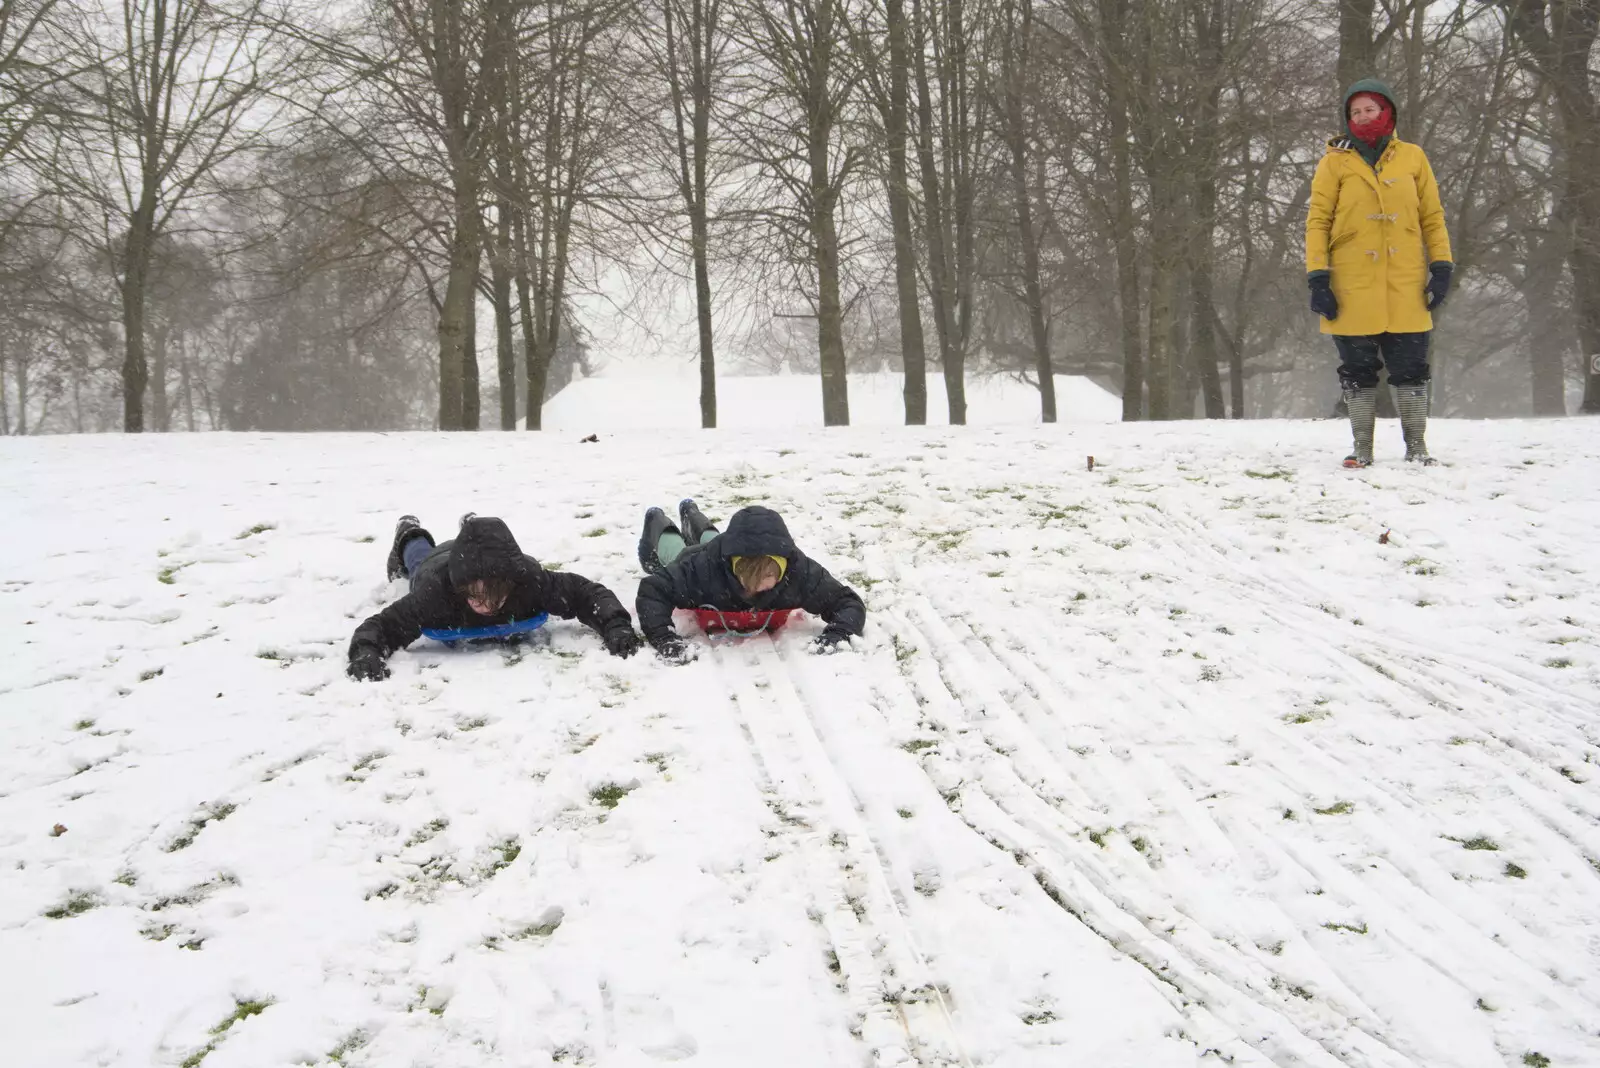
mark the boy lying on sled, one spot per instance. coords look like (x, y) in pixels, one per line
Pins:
(743, 580)
(479, 586)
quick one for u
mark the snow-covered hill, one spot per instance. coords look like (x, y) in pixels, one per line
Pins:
(1176, 761)
(658, 398)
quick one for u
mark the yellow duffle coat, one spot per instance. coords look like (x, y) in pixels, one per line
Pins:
(1376, 230)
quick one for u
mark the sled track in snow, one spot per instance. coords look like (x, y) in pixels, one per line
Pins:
(903, 1013)
(1477, 697)
(1299, 607)
(1014, 799)
(1020, 792)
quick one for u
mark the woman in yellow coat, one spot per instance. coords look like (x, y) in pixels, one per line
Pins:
(1378, 263)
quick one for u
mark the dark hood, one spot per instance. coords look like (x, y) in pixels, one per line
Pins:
(756, 531)
(1368, 85)
(485, 549)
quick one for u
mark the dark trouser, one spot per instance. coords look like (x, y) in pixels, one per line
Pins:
(413, 553)
(1362, 356)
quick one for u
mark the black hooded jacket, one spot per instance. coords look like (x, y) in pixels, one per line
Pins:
(702, 577)
(484, 549)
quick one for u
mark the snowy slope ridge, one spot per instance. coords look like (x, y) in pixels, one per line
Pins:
(661, 398)
(1171, 762)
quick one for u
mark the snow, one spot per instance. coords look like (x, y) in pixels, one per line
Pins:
(657, 397)
(1169, 762)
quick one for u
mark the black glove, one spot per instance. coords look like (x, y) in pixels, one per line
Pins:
(1323, 302)
(619, 638)
(368, 666)
(829, 641)
(674, 650)
(1438, 286)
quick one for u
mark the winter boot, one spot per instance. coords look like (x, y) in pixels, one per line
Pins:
(1412, 404)
(1362, 403)
(693, 523)
(657, 526)
(404, 531)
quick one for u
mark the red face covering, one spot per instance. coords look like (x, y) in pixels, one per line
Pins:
(1380, 127)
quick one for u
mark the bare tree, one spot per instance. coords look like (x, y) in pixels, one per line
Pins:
(448, 41)
(327, 322)
(1362, 40)
(34, 70)
(1116, 56)
(1559, 36)
(1210, 29)
(689, 58)
(790, 104)
(882, 49)
(1013, 107)
(178, 91)
(571, 174)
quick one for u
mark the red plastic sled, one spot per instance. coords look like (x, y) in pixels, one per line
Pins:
(741, 623)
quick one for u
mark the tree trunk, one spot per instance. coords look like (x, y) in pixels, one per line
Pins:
(135, 368)
(830, 332)
(188, 393)
(1014, 51)
(1547, 350)
(1113, 33)
(22, 397)
(1208, 153)
(1357, 52)
(702, 31)
(1586, 287)
(1562, 50)
(694, 145)
(457, 342)
(1581, 121)
(5, 402)
(1163, 277)
(536, 364)
(1236, 378)
(830, 318)
(502, 71)
(959, 160)
(558, 292)
(913, 353)
(504, 330)
(702, 297)
(545, 306)
(1203, 331)
(1550, 332)
(563, 221)
(942, 289)
(471, 398)
(160, 413)
(1035, 295)
(1415, 45)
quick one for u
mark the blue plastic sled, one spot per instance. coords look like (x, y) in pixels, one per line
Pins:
(491, 632)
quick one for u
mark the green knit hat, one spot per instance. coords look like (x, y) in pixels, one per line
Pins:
(1369, 85)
